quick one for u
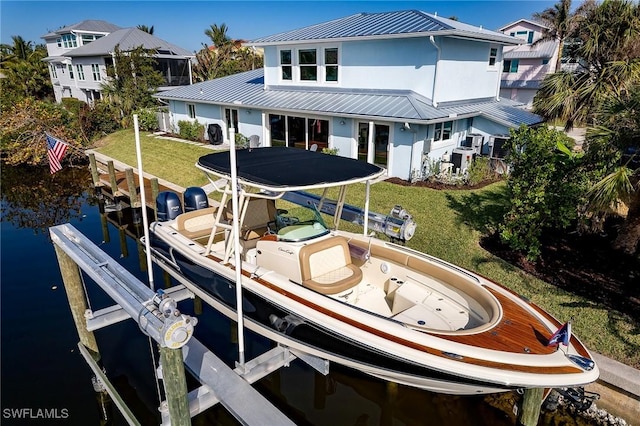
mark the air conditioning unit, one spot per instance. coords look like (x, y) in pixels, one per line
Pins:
(462, 157)
(475, 141)
(496, 146)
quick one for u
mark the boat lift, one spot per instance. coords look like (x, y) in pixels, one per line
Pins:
(158, 316)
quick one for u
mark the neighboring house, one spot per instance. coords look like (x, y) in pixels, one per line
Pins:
(79, 54)
(525, 66)
(392, 88)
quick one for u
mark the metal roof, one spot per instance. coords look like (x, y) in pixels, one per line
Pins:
(545, 50)
(248, 90)
(127, 39)
(89, 25)
(407, 23)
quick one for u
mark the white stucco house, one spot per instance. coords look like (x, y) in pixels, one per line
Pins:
(79, 54)
(391, 88)
(526, 65)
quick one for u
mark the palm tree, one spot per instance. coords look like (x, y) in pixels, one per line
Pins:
(558, 21)
(618, 129)
(25, 74)
(608, 35)
(146, 29)
(218, 35)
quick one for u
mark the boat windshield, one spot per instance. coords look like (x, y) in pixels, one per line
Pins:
(291, 229)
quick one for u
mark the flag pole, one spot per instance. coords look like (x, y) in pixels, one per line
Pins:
(145, 219)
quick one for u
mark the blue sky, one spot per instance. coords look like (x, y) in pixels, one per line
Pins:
(183, 22)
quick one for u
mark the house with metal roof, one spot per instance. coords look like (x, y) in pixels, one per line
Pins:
(395, 88)
(79, 54)
(526, 65)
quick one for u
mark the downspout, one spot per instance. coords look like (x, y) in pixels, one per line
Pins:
(435, 73)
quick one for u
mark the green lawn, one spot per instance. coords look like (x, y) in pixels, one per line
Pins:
(450, 224)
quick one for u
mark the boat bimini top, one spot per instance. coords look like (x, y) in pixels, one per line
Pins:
(282, 169)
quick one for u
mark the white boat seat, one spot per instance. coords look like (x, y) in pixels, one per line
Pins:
(197, 223)
(260, 212)
(326, 266)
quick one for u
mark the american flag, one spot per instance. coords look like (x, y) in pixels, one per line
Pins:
(562, 335)
(55, 150)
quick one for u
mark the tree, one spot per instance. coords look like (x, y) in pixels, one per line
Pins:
(609, 63)
(559, 22)
(218, 35)
(225, 57)
(619, 183)
(25, 73)
(146, 29)
(545, 186)
(131, 81)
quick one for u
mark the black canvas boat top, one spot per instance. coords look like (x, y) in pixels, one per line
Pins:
(283, 168)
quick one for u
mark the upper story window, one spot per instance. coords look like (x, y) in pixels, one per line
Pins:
(95, 70)
(286, 65)
(545, 61)
(443, 131)
(69, 41)
(510, 65)
(331, 64)
(70, 68)
(493, 56)
(80, 71)
(307, 59)
(54, 73)
(88, 38)
(59, 41)
(309, 64)
(523, 35)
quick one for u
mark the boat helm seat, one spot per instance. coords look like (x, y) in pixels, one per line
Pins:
(326, 266)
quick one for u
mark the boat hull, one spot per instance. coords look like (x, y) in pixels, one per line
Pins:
(214, 283)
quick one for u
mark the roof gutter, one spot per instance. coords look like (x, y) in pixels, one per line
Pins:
(434, 100)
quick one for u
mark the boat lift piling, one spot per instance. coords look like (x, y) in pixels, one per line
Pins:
(157, 316)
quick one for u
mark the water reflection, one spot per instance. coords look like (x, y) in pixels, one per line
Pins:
(33, 198)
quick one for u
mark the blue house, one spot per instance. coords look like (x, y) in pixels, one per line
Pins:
(391, 88)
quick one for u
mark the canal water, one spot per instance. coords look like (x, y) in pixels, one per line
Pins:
(44, 379)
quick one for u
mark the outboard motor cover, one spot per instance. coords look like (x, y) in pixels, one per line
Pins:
(195, 199)
(168, 206)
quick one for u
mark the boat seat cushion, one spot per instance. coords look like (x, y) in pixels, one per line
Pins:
(196, 223)
(260, 212)
(326, 266)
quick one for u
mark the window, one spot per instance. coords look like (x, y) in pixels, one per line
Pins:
(80, 71)
(54, 73)
(69, 41)
(191, 110)
(285, 64)
(308, 64)
(331, 64)
(523, 35)
(510, 65)
(70, 68)
(545, 61)
(443, 131)
(59, 41)
(95, 70)
(231, 118)
(493, 55)
(88, 38)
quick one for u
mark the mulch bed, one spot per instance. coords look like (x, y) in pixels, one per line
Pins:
(440, 185)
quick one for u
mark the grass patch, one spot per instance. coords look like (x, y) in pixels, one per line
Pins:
(450, 224)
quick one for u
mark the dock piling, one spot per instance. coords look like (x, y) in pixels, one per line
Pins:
(531, 403)
(175, 386)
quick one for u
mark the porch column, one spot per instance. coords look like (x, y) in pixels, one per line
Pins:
(372, 147)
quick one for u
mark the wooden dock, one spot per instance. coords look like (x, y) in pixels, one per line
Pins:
(122, 181)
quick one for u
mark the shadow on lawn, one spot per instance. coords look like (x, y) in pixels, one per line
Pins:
(481, 210)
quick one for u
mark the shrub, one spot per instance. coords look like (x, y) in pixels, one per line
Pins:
(147, 119)
(192, 131)
(546, 186)
(73, 105)
(241, 141)
(330, 151)
(480, 171)
(99, 120)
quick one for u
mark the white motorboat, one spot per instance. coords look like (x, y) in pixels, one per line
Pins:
(349, 297)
